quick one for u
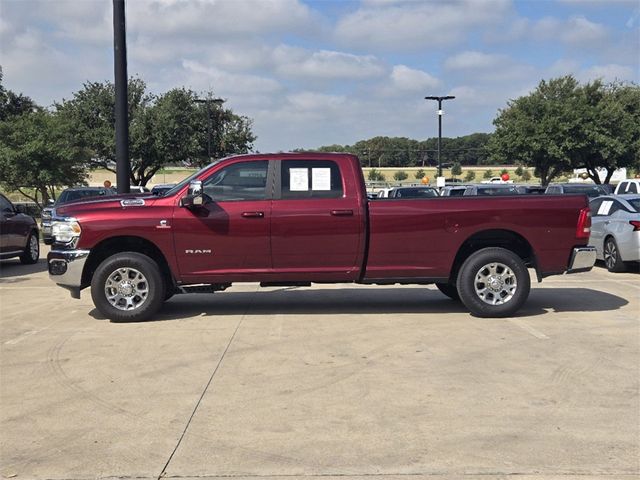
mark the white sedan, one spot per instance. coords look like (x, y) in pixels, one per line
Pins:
(615, 230)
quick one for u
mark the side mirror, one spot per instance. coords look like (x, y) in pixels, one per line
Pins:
(194, 195)
(51, 201)
(21, 209)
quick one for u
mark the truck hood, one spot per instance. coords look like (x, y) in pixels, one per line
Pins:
(111, 202)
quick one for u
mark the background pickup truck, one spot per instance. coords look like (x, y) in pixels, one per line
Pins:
(293, 219)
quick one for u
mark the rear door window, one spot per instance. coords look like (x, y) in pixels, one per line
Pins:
(302, 179)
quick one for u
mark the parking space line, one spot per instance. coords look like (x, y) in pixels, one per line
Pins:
(528, 328)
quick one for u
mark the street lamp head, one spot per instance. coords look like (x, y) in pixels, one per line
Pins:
(439, 99)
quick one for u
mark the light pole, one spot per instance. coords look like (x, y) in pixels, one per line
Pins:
(208, 101)
(123, 164)
(440, 113)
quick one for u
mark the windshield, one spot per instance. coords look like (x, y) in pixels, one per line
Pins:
(184, 182)
(71, 195)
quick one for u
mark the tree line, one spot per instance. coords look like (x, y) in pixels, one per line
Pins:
(44, 149)
(562, 125)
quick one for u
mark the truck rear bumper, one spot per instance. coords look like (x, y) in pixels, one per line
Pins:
(65, 268)
(582, 259)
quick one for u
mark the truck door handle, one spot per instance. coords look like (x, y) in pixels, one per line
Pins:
(253, 214)
(342, 213)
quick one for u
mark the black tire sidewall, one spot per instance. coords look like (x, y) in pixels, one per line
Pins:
(26, 257)
(148, 267)
(619, 265)
(466, 279)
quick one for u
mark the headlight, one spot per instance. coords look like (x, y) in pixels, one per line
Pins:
(65, 230)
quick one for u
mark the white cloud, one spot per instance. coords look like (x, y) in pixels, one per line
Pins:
(417, 25)
(609, 73)
(230, 83)
(472, 60)
(326, 64)
(220, 18)
(580, 31)
(408, 79)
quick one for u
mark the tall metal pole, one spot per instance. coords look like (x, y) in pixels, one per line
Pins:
(440, 113)
(208, 129)
(123, 166)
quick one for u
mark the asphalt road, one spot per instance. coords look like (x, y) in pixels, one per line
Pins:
(341, 380)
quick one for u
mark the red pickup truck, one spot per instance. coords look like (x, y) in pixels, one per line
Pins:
(298, 218)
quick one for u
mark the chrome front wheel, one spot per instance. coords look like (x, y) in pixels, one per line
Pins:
(126, 289)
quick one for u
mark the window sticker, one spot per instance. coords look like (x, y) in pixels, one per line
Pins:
(605, 207)
(321, 179)
(299, 179)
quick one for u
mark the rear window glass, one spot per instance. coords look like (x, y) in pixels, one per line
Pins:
(589, 190)
(497, 191)
(416, 193)
(635, 203)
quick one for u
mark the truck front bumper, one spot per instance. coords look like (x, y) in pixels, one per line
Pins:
(582, 259)
(65, 268)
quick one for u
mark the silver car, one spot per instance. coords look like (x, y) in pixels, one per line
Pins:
(615, 229)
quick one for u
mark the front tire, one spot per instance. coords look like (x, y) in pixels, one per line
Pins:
(612, 258)
(31, 252)
(493, 282)
(128, 287)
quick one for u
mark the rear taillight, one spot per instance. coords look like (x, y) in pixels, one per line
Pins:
(635, 224)
(583, 230)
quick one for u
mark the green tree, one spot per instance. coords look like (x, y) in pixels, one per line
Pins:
(470, 176)
(487, 174)
(400, 175)
(504, 171)
(167, 129)
(526, 175)
(375, 175)
(538, 129)
(37, 155)
(456, 169)
(607, 128)
(420, 174)
(519, 170)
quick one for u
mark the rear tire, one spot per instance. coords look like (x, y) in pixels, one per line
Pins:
(612, 258)
(31, 252)
(128, 287)
(450, 290)
(493, 282)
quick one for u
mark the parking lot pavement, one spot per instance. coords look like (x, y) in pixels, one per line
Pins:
(338, 380)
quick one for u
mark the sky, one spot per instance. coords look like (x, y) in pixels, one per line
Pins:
(320, 72)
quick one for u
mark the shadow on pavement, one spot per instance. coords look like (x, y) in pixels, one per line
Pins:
(9, 269)
(368, 300)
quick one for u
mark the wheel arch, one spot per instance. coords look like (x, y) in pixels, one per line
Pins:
(501, 238)
(113, 245)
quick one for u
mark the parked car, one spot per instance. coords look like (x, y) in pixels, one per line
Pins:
(18, 234)
(497, 180)
(531, 189)
(453, 190)
(413, 192)
(492, 189)
(297, 218)
(628, 186)
(615, 230)
(591, 190)
(72, 194)
(162, 188)
(383, 193)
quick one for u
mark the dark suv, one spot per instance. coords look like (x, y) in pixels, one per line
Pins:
(18, 234)
(69, 195)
